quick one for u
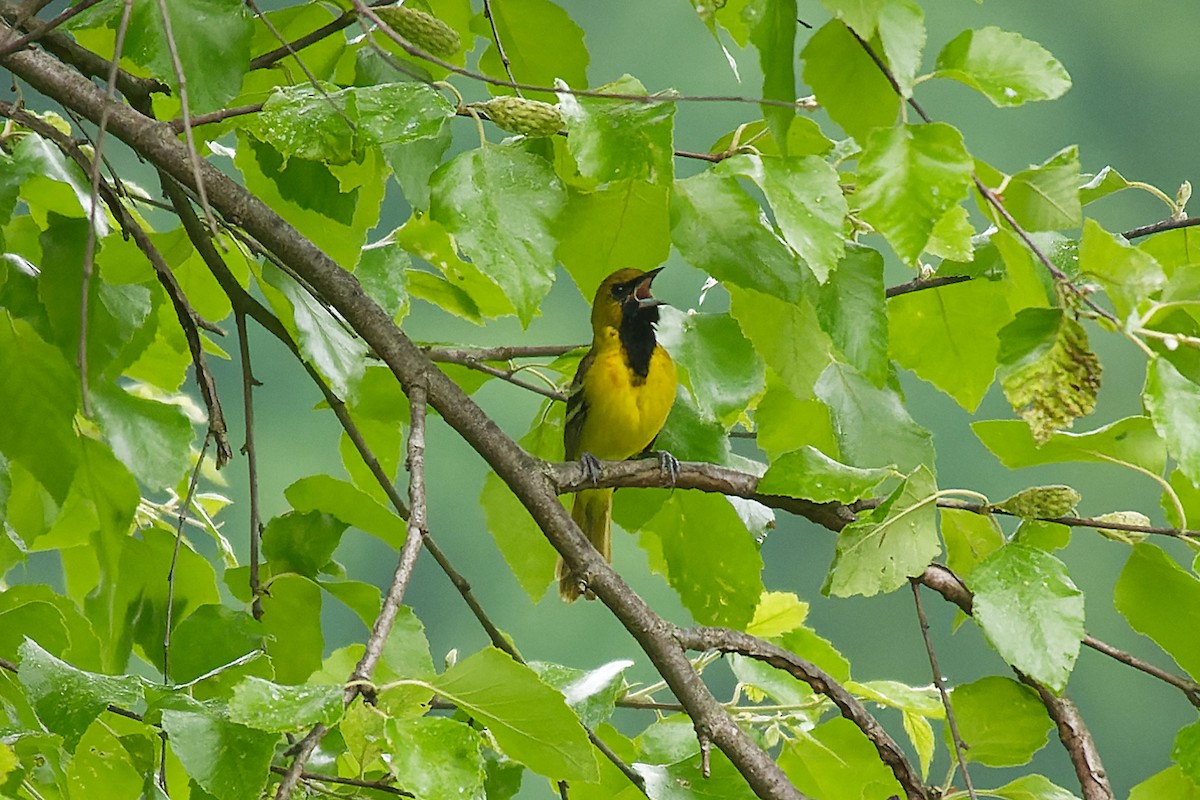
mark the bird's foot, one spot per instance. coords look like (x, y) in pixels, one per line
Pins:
(591, 467)
(668, 465)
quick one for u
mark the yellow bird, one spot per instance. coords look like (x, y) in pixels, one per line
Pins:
(618, 402)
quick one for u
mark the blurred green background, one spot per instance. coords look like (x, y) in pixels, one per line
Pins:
(1132, 106)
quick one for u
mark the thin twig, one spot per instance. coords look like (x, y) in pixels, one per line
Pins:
(918, 284)
(417, 528)
(377, 786)
(487, 13)
(1159, 227)
(850, 707)
(185, 111)
(940, 683)
(251, 453)
(219, 115)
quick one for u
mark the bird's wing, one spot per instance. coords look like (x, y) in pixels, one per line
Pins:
(576, 408)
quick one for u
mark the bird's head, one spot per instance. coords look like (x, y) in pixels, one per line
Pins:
(624, 295)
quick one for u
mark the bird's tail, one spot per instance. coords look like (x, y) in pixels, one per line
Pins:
(592, 512)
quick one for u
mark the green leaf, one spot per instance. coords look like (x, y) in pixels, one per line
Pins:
(1005, 67)
(1030, 611)
(692, 435)
(785, 423)
(300, 122)
(909, 177)
(227, 760)
(436, 758)
(1170, 784)
(952, 236)
(720, 229)
(1046, 197)
(884, 548)
(542, 44)
(1129, 275)
(267, 706)
(1002, 722)
(292, 627)
(810, 474)
(862, 16)
(1031, 787)
(521, 541)
(853, 310)
(872, 425)
(212, 637)
(1186, 752)
(963, 319)
(1132, 440)
(324, 493)
(787, 336)
(686, 780)
(807, 202)
(848, 84)
(324, 341)
(1105, 182)
(501, 204)
(301, 542)
(530, 721)
(592, 694)
(616, 140)
(772, 26)
(399, 113)
(693, 529)
(151, 438)
(102, 765)
(39, 395)
(901, 29)
(836, 761)
(1047, 370)
(1161, 600)
(464, 283)
(67, 699)
(777, 613)
(624, 224)
(718, 364)
(381, 271)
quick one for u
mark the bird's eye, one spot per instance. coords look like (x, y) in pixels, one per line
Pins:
(620, 291)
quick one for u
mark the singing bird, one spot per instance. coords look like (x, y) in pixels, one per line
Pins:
(618, 402)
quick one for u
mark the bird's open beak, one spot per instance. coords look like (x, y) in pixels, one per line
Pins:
(642, 291)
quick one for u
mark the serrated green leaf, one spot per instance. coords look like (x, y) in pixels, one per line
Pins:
(436, 758)
(267, 706)
(1186, 752)
(1031, 787)
(102, 765)
(901, 31)
(381, 270)
(807, 202)
(1002, 722)
(686, 780)
(772, 31)
(615, 140)
(1030, 611)
(1161, 600)
(951, 239)
(1129, 275)
(40, 396)
(909, 177)
(1047, 370)
(810, 474)
(948, 336)
(1170, 784)
(292, 627)
(67, 699)
(399, 113)
(920, 733)
(501, 205)
(464, 284)
(1105, 182)
(530, 721)
(212, 637)
(720, 229)
(836, 761)
(847, 83)
(623, 224)
(693, 529)
(872, 425)
(1046, 197)
(301, 542)
(151, 438)
(853, 310)
(1005, 67)
(777, 613)
(1132, 440)
(324, 493)
(592, 694)
(542, 44)
(1042, 535)
(881, 550)
(301, 122)
(787, 336)
(717, 363)
(229, 761)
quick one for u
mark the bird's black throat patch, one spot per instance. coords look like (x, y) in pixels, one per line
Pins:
(637, 335)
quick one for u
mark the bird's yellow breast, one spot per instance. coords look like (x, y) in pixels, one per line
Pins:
(625, 411)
